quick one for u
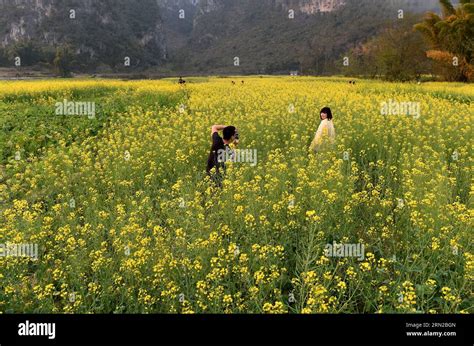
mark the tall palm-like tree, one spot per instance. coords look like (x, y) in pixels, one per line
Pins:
(451, 36)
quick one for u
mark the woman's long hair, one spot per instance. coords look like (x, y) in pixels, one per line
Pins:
(326, 110)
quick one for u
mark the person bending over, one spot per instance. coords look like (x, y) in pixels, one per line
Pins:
(220, 148)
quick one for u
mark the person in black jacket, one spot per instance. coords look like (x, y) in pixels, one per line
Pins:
(220, 148)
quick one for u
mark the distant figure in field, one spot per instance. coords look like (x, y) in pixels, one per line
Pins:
(326, 134)
(181, 81)
(242, 82)
(233, 83)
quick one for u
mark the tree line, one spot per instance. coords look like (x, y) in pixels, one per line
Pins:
(439, 45)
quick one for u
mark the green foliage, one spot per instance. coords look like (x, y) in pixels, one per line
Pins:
(451, 37)
(29, 52)
(63, 61)
(396, 54)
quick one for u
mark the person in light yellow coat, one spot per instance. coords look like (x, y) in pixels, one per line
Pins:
(325, 135)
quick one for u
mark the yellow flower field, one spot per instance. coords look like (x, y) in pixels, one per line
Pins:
(126, 220)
